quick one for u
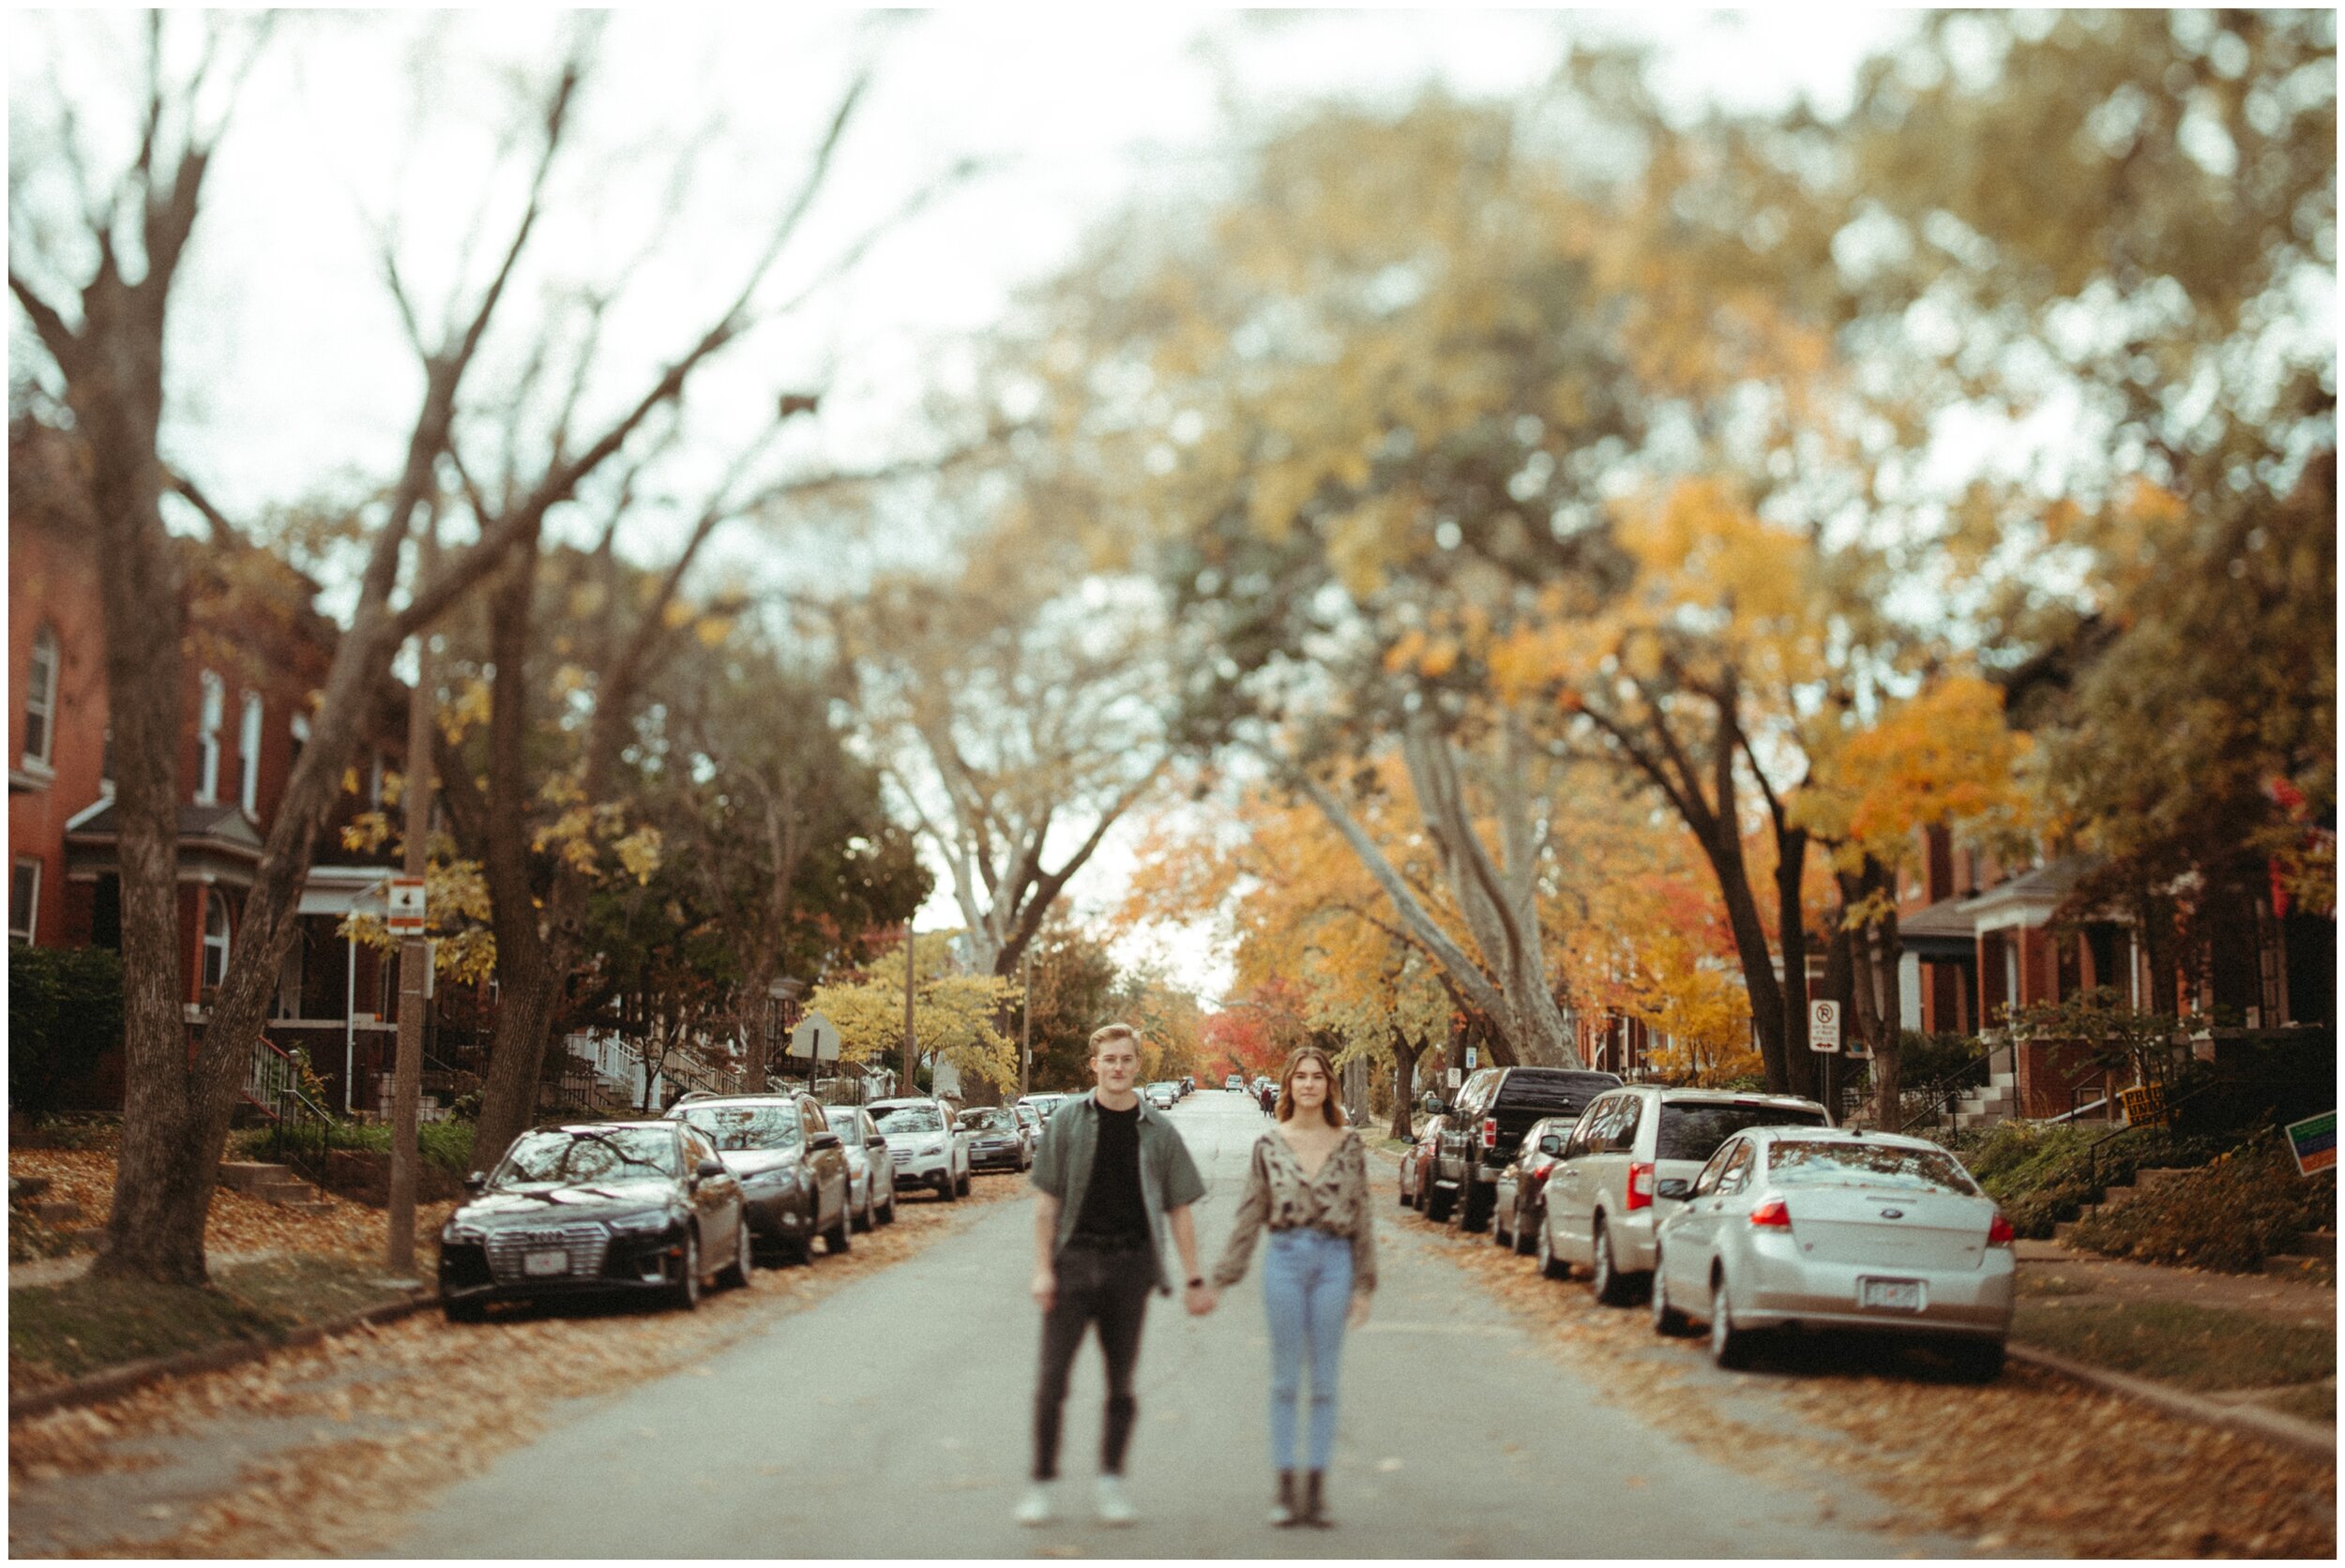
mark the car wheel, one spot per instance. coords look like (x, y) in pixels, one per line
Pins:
(737, 1272)
(1523, 1234)
(1438, 1204)
(965, 1177)
(863, 1220)
(1976, 1361)
(1611, 1286)
(1667, 1321)
(472, 1311)
(685, 1292)
(1551, 1266)
(1474, 1210)
(887, 1215)
(946, 1188)
(1730, 1347)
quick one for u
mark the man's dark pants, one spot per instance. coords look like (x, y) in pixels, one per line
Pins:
(1109, 1287)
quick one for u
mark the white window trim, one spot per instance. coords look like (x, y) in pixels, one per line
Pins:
(211, 715)
(43, 701)
(249, 754)
(32, 916)
(215, 899)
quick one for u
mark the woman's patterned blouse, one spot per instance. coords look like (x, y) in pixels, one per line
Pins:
(1279, 1195)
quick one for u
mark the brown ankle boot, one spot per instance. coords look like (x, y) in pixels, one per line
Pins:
(1314, 1500)
(1282, 1511)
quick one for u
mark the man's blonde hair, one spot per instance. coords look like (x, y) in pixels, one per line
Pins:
(1107, 1032)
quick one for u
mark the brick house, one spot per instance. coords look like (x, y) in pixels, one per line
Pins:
(257, 650)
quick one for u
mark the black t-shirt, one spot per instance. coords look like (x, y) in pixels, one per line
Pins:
(1114, 1211)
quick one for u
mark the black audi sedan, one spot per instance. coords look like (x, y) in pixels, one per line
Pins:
(792, 1168)
(607, 1207)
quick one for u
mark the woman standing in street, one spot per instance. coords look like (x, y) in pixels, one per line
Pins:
(1308, 1185)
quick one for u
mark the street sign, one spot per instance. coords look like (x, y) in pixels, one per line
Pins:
(816, 1039)
(1824, 1025)
(2313, 1142)
(1456, 1078)
(1472, 1052)
(405, 905)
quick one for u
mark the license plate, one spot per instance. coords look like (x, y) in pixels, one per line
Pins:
(1890, 1295)
(546, 1263)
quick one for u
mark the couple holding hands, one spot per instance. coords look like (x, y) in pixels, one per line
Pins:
(1114, 1178)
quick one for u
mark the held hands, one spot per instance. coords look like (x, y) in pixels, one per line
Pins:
(1200, 1299)
(1045, 1288)
(1357, 1317)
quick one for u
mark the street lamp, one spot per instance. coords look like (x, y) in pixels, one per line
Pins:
(783, 994)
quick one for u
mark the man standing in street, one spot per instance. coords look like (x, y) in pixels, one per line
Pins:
(1114, 1177)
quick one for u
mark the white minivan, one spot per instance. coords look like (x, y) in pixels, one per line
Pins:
(1630, 1160)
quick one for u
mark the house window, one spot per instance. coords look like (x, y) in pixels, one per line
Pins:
(214, 938)
(41, 699)
(211, 715)
(24, 900)
(249, 754)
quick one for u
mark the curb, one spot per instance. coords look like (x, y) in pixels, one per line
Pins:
(138, 1374)
(2269, 1425)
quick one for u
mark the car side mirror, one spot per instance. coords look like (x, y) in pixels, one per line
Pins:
(476, 1182)
(707, 1168)
(1436, 1107)
(875, 1142)
(826, 1140)
(1675, 1186)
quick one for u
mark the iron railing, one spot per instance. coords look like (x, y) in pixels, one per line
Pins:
(1934, 1101)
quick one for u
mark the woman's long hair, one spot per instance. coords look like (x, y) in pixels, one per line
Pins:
(1333, 1111)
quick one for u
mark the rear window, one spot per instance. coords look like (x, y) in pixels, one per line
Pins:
(1871, 1165)
(1566, 1092)
(1693, 1131)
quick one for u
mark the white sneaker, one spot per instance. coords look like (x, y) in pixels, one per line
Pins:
(1035, 1507)
(1114, 1507)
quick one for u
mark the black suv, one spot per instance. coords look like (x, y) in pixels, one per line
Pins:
(1493, 1110)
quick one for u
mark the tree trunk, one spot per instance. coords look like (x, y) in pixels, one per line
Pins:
(1404, 1084)
(1804, 1068)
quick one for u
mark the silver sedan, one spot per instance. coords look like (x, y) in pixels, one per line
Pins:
(870, 1168)
(1812, 1229)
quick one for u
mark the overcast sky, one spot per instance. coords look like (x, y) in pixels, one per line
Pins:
(287, 366)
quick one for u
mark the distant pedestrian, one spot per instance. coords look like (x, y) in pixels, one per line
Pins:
(1269, 1099)
(1114, 1177)
(1308, 1185)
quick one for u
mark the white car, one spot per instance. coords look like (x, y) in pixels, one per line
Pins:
(1161, 1095)
(928, 1150)
(869, 1163)
(1625, 1165)
(1812, 1229)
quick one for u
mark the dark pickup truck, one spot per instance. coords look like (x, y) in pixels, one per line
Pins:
(1493, 1110)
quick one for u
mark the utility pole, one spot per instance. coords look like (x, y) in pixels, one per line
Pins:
(1025, 1025)
(911, 1082)
(415, 956)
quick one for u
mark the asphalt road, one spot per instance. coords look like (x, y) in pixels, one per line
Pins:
(891, 1420)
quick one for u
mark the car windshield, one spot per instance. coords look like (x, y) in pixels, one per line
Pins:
(561, 1155)
(1557, 1093)
(736, 1127)
(908, 1118)
(1693, 1131)
(1815, 1162)
(1028, 1115)
(989, 1120)
(842, 1119)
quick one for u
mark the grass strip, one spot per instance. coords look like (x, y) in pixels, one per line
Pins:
(2189, 1347)
(57, 1332)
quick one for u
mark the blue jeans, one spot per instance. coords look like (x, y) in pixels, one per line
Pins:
(1307, 1289)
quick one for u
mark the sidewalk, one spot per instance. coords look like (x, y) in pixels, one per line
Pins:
(2115, 1279)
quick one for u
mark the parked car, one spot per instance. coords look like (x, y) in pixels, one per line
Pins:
(1030, 1122)
(795, 1178)
(1519, 1204)
(994, 1141)
(1416, 1166)
(1234, 1083)
(928, 1150)
(612, 1207)
(869, 1163)
(1626, 1164)
(1161, 1095)
(1189, 1086)
(1494, 1108)
(1814, 1229)
(1044, 1106)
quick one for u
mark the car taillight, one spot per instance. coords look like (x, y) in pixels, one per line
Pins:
(1490, 1132)
(1771, 1215)
(1538, 1172)
(1641, 1186)
(1999, 1232)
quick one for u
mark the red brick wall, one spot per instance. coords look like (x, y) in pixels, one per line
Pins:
(53, 583)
